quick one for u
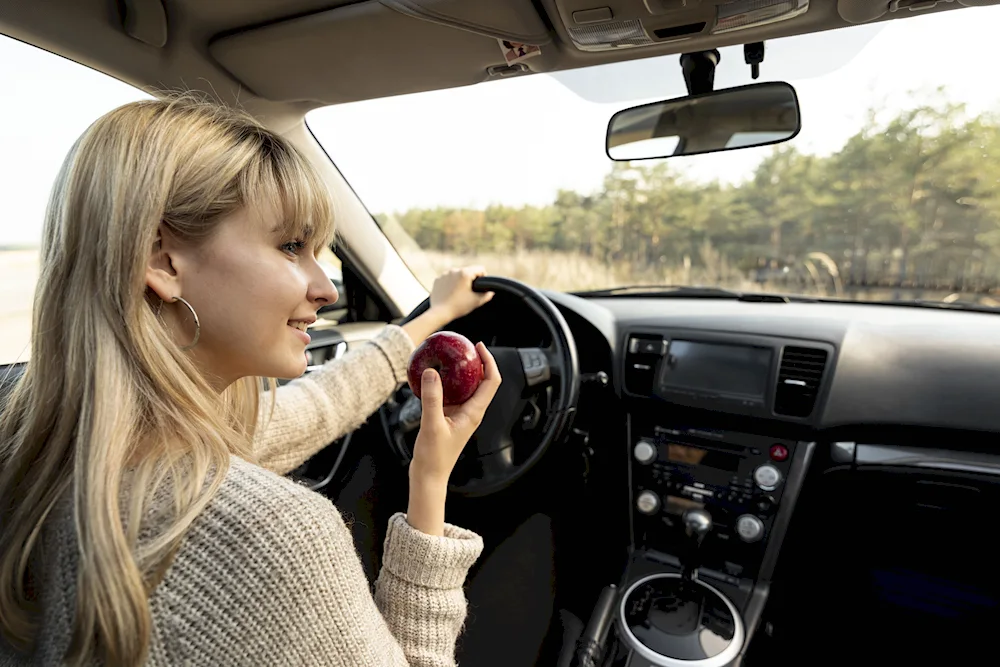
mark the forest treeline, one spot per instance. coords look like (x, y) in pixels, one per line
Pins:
(913, 198)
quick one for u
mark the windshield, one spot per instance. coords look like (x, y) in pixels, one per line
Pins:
(889, 191)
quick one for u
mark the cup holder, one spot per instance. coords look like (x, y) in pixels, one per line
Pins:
(673, 622)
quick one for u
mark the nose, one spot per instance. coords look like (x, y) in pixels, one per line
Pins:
(325, 292)
(322, 291)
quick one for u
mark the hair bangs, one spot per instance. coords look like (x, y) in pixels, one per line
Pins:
(284, 183)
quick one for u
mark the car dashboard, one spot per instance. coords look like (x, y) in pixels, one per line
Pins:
(761, 413)
(886, 365)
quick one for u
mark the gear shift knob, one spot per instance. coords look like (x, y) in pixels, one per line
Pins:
(697, 525)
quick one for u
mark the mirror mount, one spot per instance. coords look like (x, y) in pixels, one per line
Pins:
(753, 55)
(699, 70)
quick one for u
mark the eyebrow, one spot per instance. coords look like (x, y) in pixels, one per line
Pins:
(280, 228)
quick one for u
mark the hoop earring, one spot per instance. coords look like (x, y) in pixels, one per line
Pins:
(197, 322)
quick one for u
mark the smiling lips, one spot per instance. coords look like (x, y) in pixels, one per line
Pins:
(300, 327)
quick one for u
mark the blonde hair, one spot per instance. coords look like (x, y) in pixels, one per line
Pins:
(109, 411)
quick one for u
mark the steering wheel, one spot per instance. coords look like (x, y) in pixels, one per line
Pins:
(534, 407)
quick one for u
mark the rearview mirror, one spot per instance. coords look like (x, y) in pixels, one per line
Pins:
(723, 120)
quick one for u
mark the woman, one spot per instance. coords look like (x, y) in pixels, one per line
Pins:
(143, 515)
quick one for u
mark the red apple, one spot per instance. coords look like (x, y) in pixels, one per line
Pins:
(455, 359)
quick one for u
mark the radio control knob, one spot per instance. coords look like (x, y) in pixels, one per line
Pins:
(767, 477)
(644, 452)
(648, 502)
(749, 528)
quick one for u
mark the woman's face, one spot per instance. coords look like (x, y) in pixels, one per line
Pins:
(254, 289)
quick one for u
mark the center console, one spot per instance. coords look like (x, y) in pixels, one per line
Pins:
(739, 479)
(708, 506)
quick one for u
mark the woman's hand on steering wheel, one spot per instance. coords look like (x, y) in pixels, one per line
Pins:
(534, 408)
(452, 292)
(444, 432)
(451, 297)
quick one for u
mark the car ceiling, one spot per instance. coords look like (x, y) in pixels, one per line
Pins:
(281, 58)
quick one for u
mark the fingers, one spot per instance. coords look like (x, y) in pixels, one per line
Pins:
(473, 272)
(431, 396)
(491, 382)
(476, 271)
(470, 274)
(454, 291)
(491, 373)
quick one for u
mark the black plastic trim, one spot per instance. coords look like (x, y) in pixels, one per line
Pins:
(801, 459)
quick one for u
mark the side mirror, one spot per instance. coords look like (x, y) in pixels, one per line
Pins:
(722, 120)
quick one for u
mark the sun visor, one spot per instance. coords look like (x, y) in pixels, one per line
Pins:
(366, 50)
(513, 20)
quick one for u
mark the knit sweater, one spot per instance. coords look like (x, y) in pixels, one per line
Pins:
(268, 573)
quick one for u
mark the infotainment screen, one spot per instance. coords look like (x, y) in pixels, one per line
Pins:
(688, 455)
(711, 367)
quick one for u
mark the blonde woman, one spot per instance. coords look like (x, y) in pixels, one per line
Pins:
(143, 515)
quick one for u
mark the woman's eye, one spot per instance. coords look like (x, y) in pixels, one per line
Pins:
(293, 247)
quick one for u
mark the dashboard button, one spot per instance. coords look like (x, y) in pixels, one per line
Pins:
(767, 477)
(779, 452)
(749, 528)
(648, 502)
(644, 452)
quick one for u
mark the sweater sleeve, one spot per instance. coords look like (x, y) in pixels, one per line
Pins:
(312, 411)
(269, 575)
(419, 590)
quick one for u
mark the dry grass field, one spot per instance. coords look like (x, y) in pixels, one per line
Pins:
(551, 270)
(541, 268)
(575, 272)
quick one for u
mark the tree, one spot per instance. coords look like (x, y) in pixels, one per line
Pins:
(909, 199)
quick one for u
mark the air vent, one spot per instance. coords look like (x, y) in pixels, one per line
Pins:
(798, 381)
(642, 356)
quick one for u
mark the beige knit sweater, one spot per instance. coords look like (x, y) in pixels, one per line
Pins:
(268, 573)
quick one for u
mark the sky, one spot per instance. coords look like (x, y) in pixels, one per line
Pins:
(521, 140)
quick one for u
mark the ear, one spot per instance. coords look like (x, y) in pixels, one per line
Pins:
(161, 270)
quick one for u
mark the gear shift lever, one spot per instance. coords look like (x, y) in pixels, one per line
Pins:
(680, 618)
(697, 524)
